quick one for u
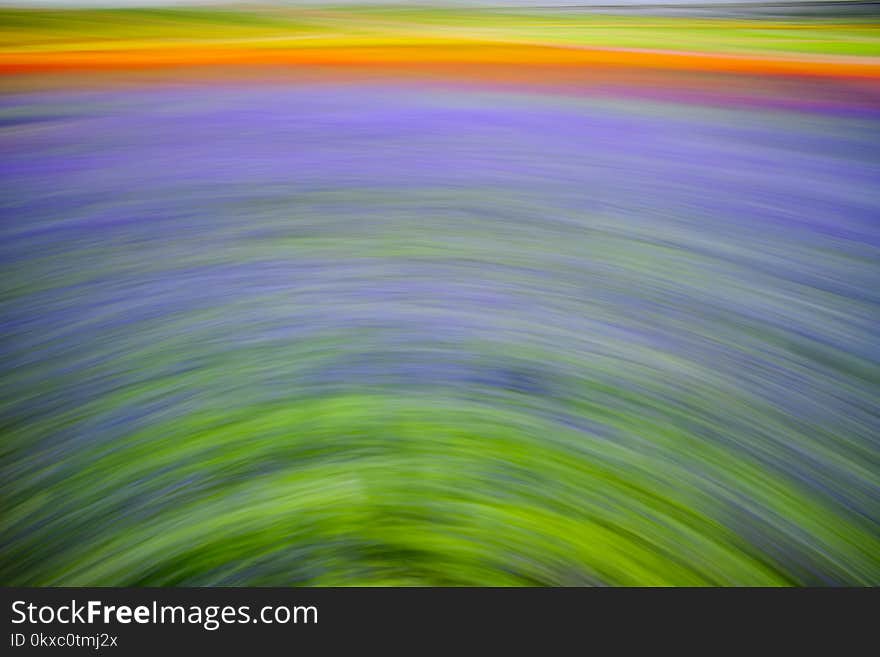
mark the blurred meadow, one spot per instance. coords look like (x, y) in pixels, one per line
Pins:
(453, 295)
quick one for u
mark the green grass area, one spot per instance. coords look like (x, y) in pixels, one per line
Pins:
(816, 36)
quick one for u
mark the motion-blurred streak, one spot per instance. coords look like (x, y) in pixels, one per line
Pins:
(585, 322)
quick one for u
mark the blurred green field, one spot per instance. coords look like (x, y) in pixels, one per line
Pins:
(374, 330)
(101, 28)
